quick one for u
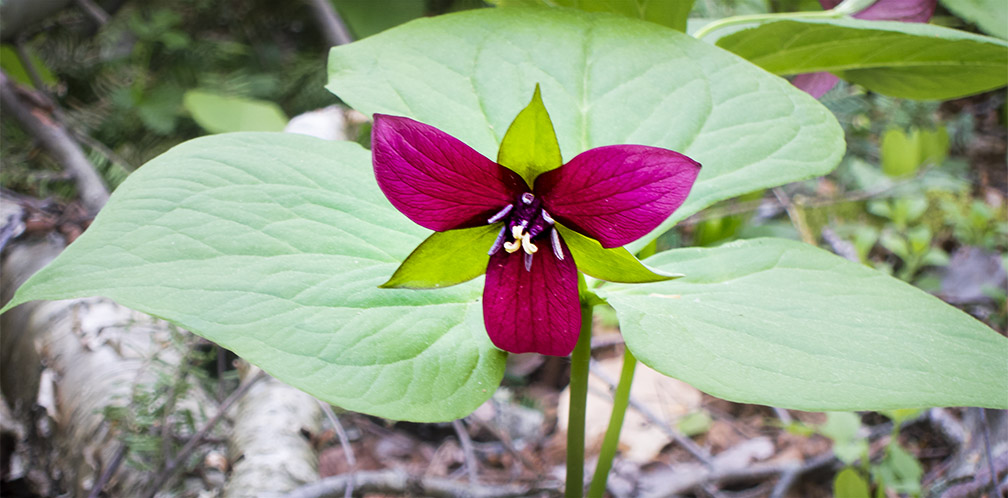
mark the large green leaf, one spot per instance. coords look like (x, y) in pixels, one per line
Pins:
(990, 15)
(782, 323)
(273, 245)
(909, 60)
(605, 80)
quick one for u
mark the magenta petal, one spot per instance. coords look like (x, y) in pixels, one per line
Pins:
(436, 180)
(536, 310)
(892, 10)
(815, 84)
(618, 193)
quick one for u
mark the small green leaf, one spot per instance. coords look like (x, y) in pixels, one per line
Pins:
(612, 265)
(530, 146)
(446, 258)
(850, 484)
(223, 113)
(781, 323)
(900, 152)
(899, 470)
(907, 60)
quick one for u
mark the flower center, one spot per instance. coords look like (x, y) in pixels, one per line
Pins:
(525, 222)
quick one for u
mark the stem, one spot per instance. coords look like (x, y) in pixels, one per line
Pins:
(580, 359)
(620, 400)
(753, 18)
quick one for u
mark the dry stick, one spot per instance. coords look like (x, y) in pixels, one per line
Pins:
(93, 10)
(29, 66)
(788, 476)
(508, 443)
(687, 443)
(196, 439)
(856, 196)
(467, 450)
(108, 472)
(987, 451)
(39, 123)
(797, 218)
(333, 27)
(400, 483)
(344, 442)
(59, 116)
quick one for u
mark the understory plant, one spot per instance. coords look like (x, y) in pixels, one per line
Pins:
(316, 261)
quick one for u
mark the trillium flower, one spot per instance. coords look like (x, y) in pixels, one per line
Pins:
(817, 84)
(521, 223)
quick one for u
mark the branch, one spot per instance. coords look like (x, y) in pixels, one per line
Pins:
(332, 25)
(194, 442)
(37, 120)
(399, 482)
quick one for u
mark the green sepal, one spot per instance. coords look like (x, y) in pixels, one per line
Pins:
(530, 145)
(612, 265)
(445, 259)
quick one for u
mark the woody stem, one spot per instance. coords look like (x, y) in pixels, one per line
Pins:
(580, 359)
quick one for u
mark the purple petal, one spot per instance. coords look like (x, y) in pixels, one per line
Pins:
(436, 180)
(815, 84)
(618, 193)
(535, 310)
(892, 10)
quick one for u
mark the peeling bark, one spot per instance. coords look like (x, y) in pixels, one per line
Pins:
(64, 363)
(268, 445)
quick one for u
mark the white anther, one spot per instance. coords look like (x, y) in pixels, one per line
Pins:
(547, 217)
(526, 242)
(500, 214)
(557, 248)
(527, 197)
(498, 242)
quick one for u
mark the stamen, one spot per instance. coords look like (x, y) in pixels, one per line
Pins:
(499, 242)
(528, 262)
(555, 239)
(500, 214)
(549, 219)
(512, 247)
(516, 231)
(526, 242)
(527, 197)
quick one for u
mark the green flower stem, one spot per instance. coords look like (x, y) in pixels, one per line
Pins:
(753, 18)
(580, 359)
(621, 399)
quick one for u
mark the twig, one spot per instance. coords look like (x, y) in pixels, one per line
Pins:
(333, 27)
(505, 439)
(399, 482)
(196, 439)
(797, 218)
(94, 11)
(789, 475)
(29, 65)
(987, 451)
(344, 442)
(782, 414)
(748, 206)
(467, 450)
(687, 443)
(38, 122)
(108, 472)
